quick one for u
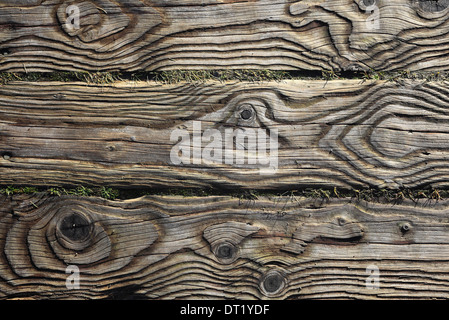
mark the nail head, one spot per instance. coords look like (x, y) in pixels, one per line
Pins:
(405, 227)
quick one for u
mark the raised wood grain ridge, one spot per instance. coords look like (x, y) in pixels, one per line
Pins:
(130, 35)
(346, 134)
(161, 247)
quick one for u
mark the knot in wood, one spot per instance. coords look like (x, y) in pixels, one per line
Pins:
(341, 221)
(102, 25)
(405, 227)
(273, 283)
(111, 148)
(226, 251)
(433, 5)
(90, 22)
(75, 227)
(246, 112)
(225, 239)
(369, 3)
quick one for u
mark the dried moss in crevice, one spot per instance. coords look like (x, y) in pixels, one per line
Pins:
(323, 194)
(201, 76)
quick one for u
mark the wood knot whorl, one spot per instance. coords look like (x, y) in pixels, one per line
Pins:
(253, 109)
(105, 25)
(76, 238)
(341, 221)
(405, 227)
(91, 22)
(273, 283)
(225, 239)
(432, 10)
(246, 112)
(74, 231)
(433, 5)
(49, 235)
(225, 252)
(369, 3)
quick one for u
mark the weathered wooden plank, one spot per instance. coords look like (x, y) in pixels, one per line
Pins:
(48, 35)
(166, 247)
(346, 134)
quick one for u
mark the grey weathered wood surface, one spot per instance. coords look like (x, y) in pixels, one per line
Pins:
(346, 134)
(166, 247)
(134, 35)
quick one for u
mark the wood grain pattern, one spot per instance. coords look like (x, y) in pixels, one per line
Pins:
(130, 35)
(346, 134)
(217, 247)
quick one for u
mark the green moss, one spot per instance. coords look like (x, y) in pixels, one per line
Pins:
(199, 76)
(323, 194)
(10, 190)
(6, 77)
(109, 193)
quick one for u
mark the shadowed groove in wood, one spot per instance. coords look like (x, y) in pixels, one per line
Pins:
(180, 263)
(131, 35)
